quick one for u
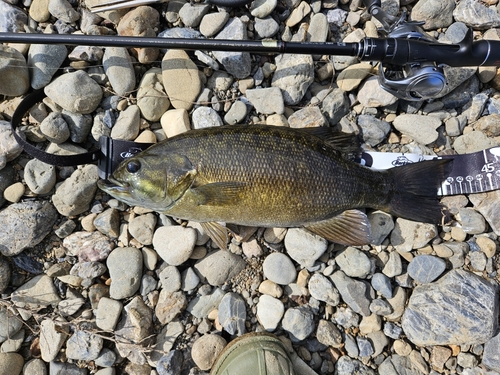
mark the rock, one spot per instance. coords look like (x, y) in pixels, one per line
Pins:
(219, 266)
(14, 19)
(181, 79)
(487, 204)
(108, 222)
(170, 363)
(426, 132)
(381, 283)
(232, 314)
(53, 334)
(374, 130)
(9, 148)
(408, 235)
(141, 21)
(10, 324)
(212, 23)
(206, 349)
(74, 195)
(266, 101)
(165, 339)
(174, 244)
(346, 365)
(11, 363)
(175, 121)
(75, 92)
(306, 118)
(236, 113)
(298, 322)
(278, 268)
(266, 27)
(125, 270)
(270, 310)
(191, 14)
(127, 124)
(304, 247)
(262, 8)
(170, 305)
(353, 292)
(472, 222)
(237, 64)
(394, 266)
(83, 346)
(119, 70)
(5, 274)
(14, 192)
(302, 10)
(476, 15)
(62, 10)
(35, 366)
(108, 313)
(7, 175)
(200, 306)
(491, 357)
(294, 74)
(328, 334)
(435, 14)
(426, 268)
(381, 225)
(354, 263)
(44, 60)
(151, 97)
(58, 368)
(450, 322)
(37, 293)
(54, 128)
(189, 279)
(142, 228)
(25, 224)
(14, 74)
(335, 106)
(88, 246)
(322, 289)
(371, 95)
(205, 117)
(351, 77)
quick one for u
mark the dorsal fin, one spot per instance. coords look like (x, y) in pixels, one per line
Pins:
(348, 144)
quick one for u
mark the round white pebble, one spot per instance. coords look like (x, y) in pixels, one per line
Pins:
(279, 268)
(174, 244)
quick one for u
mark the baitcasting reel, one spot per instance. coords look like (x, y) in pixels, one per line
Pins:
(411, 81)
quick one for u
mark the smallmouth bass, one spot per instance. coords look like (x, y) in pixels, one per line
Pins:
(266, 176)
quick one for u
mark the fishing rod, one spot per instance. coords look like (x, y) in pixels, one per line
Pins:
(411, 61)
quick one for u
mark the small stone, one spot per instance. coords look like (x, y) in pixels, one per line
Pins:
(394, 266)
(44, 60)
(298, 322)
(37, 293)
(371, 95)
(408, 235)
(294, 74)
(62, 10)
(83, 346)
(127, 124)
(354, 263)
(353, 292)
(212, 23)
(346, 366)
(174, 244)
(189, 279)
(323, 290)
(473, 142)
(35, 367)
(435, 14)
(14, 73)
(108, 313)
(10, 324)
(270, 288)
(334, 106)
(266, 100)
(5, 273)
(381, 283)
(304, 247)
(328, 334)
(151, 97)
(125, 270)
(205, 117)
(278, 268)
(306, 118)
(170, 363)
(426, 268)
(369, 324)
(491, 356)
(232, 314)
(142, 228)
(53, 334)
(170, 279)
(393, 331)
(88, 246)
(351, 77)
(11, 363)
(270, 310)
(219, 267)
(206, 349)
(14, 192)
(449, 322)
(39, 176)
(236, 113)
(170, 305)
(175, 121)
(487, 246)
(374, 130)
(119, 70)
(472, 222)
(135, 326)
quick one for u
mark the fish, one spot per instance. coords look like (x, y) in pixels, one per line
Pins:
(268, 176)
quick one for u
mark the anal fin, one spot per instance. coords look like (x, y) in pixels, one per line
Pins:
(351, 227)
(217, 232)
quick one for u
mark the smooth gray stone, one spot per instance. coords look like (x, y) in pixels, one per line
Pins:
(491, 354)
(382, 284)
(397, 365)
(298, 322)
(232, 313)
(44, 60)
(348, 366)
(461, 309)
(426, 268)
(354, 293)
(170, 363)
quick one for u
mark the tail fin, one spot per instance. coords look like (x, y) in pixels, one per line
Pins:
(415, 190)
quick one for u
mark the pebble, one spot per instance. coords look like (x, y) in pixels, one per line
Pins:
(11, 363)
(308, 117)
(219, 267)
(151, 97)
(426, 268)
(44, 61)
(9, 148)
(238, 64)
(201, 306)
(83, 346)
(459, 292)
(170, 305)
(55, 128)
(108, 313)
(14, 19)
(236, 113)
(435, 14)
(382, 284)
(170, 279)
(10, 324)
(323, 290)
(189, 279)
(374, 130)
(35, 366)
(354, 263)
(174, 244)
(232, 314)
(119, 70)
(351, 77)
(7, 177)
(270, 311)
(472, 222)
(426, 132)
(266, 27)
(175, 121)
(205, 117)
(53, 334)
(14, 73)
(14, 192)
(62, 9)
(346, 365)
(125, 270)
(25, 224)
(5, 273)
(279, 268)
(334, 106)
(212, 23)
(88, 246)
(476, 15)
(371, 95)
(127, 124)
(353, 292)
(298, 322)
(37, 293)
(170, 363)
(267, 100)
(304, 247)
(206, 349)
(294, 74)
(181, 79)
(59, 368)
(75, 92)
(408, 235)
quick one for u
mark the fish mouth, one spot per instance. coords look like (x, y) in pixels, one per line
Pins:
(114, 187)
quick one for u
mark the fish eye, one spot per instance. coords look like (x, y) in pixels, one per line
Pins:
(133, 166)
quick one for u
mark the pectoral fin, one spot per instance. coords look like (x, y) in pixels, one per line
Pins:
(218, 193)
(351, 227)
(217, 232)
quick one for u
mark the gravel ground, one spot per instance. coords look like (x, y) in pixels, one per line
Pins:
(92, 286)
